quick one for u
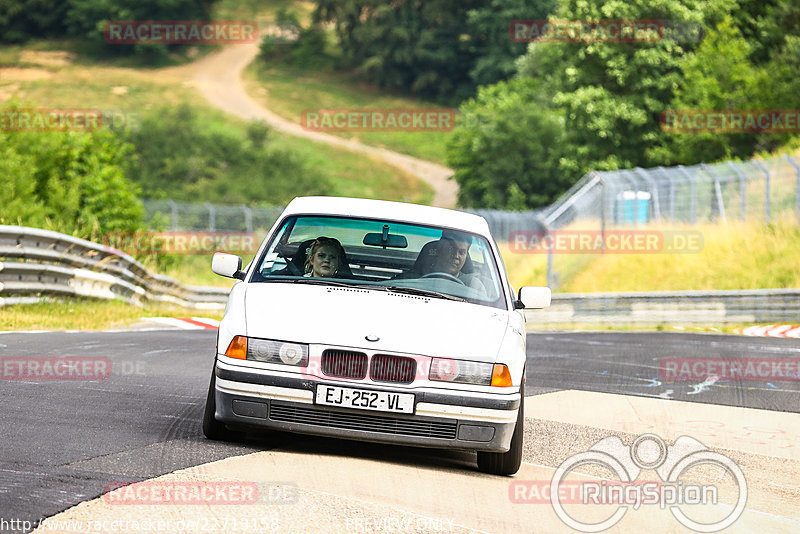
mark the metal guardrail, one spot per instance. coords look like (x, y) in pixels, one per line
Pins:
(41, 262)
(671, 307)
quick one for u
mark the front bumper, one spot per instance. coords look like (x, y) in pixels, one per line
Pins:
(250, 398)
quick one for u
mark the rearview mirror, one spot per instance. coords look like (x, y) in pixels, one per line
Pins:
(534, 297)
(228, 265)
(374, 239)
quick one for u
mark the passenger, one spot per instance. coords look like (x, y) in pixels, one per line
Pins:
(326, 258)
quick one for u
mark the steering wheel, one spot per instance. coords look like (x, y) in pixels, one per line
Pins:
(446, 276)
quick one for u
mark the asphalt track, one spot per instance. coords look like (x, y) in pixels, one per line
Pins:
(64, 441)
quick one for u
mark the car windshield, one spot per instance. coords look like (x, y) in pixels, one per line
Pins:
(386, 255)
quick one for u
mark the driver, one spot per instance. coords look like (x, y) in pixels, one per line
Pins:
(451, 255)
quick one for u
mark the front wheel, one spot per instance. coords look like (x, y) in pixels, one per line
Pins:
(212, 428)
(507, 463)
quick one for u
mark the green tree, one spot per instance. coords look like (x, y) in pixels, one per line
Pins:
(718, 76)
(505, 148)
(488, 26)
(17, 188)
(612, 94)
(418, 47)
(22, 19)
(87, 18)
(68, 181)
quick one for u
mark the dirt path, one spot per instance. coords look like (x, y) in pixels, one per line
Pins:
(218, 78)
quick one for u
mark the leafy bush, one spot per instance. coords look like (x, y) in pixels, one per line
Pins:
(182, 155)
(504, 149)
(295, 45)
(70, 182)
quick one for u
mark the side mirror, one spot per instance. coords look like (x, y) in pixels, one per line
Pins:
(228, 265)
(534, 297)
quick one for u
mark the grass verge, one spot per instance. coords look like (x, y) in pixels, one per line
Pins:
(291, 91)
(88, 314)
(750, 255)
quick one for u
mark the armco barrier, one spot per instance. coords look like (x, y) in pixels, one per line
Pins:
(673, 307)
(40, 263)
(49, 263)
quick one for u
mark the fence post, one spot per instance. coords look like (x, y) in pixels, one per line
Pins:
(173, 208)
(248, 218)
(691, 192)
(766, 189)
(551, 282)
(742, 190)
(665, 174)
(603, 207)
(796, 185)
(211, 218)
(654, 196)
(717, 192)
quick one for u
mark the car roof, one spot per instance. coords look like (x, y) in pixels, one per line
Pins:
(384, 209)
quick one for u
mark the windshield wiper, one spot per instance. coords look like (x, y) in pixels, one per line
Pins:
(424, 292)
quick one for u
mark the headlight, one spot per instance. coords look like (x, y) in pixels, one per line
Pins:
(447, 370)
(482, 374)
(268, 351)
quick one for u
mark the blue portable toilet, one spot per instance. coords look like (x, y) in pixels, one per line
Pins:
(626, 207)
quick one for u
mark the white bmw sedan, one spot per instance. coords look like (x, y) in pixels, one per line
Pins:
(375, 321)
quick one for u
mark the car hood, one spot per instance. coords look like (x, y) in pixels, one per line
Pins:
(346, 316)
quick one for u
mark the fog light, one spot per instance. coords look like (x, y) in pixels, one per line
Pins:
(291, 354)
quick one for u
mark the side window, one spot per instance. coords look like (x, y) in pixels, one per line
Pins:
(272, 260)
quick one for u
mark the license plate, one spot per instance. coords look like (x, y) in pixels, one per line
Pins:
(381, 401)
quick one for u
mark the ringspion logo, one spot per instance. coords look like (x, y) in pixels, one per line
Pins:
(676, 490)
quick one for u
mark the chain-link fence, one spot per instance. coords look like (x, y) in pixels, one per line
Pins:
(703, 193)
(633, 201)
(185, 216)
(600, 203)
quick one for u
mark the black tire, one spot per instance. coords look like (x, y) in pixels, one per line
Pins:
(212, 428)
(507, 463)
